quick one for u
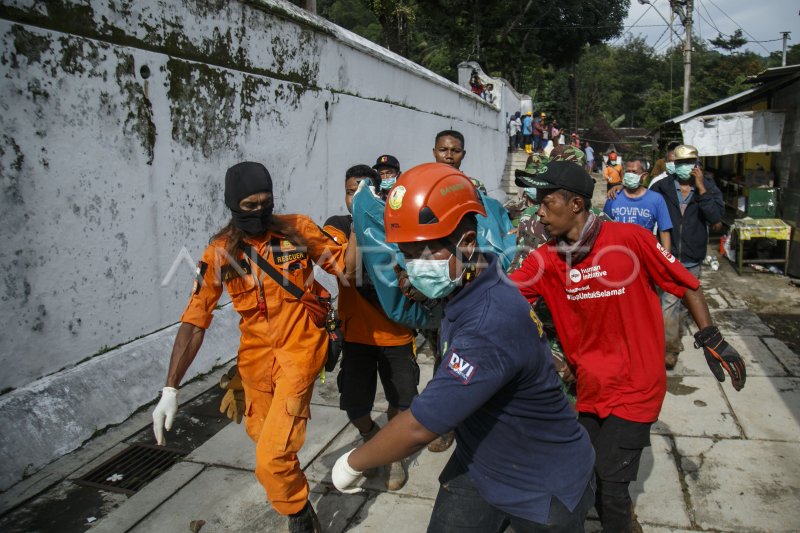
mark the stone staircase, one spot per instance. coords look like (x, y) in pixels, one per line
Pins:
(514, 160)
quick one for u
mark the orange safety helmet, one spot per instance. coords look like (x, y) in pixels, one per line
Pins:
(427, 202)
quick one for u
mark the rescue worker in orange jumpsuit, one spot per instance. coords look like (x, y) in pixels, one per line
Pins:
(281, 350)
(374, 346)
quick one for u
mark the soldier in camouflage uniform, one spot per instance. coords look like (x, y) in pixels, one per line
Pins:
(531, 235)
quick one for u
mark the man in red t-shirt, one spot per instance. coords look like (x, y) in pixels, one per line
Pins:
(592, 268)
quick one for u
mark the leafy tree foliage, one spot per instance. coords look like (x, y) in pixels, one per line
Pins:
(732, 43)
(558, 53)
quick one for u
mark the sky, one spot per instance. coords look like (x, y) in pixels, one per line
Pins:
(763, 20)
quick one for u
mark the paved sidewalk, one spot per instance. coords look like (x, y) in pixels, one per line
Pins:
(720, 460)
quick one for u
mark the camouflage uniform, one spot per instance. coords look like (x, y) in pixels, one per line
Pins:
(531, 235)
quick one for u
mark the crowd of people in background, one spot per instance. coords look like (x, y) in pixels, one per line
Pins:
(535, 132)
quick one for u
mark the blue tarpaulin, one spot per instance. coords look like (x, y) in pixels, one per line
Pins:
(379, 257)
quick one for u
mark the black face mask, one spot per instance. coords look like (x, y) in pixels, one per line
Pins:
(253, 222)
(243, 180)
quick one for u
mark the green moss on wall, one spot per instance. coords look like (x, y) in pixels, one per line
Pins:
(202, 107)
(165, 35)
(139, 120)
(28, 44)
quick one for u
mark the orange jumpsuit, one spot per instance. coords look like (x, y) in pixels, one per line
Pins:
(613, 174)
(362, 322)
(281, 351)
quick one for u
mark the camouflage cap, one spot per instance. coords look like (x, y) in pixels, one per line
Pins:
(536, 164)
(571, 153)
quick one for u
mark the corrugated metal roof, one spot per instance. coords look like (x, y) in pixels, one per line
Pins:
(772, 73)
(709, 107)
(771, 78)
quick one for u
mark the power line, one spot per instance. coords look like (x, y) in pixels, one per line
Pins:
(740, 27)
(710, 20)
(576, 27)
(659, 39)
(649, 7)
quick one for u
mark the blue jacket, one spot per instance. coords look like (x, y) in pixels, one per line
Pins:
(690, 229)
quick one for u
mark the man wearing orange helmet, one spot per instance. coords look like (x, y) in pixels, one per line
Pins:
(613, 171)
(521, 457)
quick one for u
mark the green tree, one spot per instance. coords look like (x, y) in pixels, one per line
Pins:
(731, 43)
(792, 56)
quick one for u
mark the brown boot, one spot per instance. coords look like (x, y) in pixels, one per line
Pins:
(397, 476)
(670, 360)
(442, 442)
(636, 527)
(372, 472)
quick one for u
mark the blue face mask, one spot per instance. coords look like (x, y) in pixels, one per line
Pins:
(631, 180)
(530, 192)
(432, 276)
(684, 172)
(670, 167)
(388, 183)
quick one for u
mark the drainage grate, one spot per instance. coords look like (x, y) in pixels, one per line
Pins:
(132, 469)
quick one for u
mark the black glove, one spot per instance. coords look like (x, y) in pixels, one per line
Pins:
(719, 354)
(335, 339)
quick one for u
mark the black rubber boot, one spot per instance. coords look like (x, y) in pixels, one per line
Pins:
(305, 521)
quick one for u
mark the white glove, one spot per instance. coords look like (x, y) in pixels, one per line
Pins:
(164, 413)
(344, 477)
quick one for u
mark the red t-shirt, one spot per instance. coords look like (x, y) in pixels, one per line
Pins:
(608, 317)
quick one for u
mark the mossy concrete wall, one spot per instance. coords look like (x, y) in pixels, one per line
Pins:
(117, 122)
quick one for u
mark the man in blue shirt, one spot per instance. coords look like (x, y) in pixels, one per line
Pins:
(521, 457)
(638, 205)
(527, 132)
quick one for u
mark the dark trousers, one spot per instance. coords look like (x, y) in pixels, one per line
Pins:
(363, 364)
(460, 508)
(618, 445)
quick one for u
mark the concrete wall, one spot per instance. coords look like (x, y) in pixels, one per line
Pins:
(118, 120)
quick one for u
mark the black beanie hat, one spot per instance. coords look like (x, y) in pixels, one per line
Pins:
(244, 179)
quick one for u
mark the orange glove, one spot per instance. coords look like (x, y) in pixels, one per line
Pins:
(233, 403)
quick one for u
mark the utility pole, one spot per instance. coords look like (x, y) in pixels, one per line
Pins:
(678, 7)
(785, 38)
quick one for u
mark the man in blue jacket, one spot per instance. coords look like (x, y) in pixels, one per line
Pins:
(521, 457)
(694, 203)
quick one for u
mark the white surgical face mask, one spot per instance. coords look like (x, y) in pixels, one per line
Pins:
(684, 171)
(631, 180)
(388, 183)
(670, 167)
(432, 276)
